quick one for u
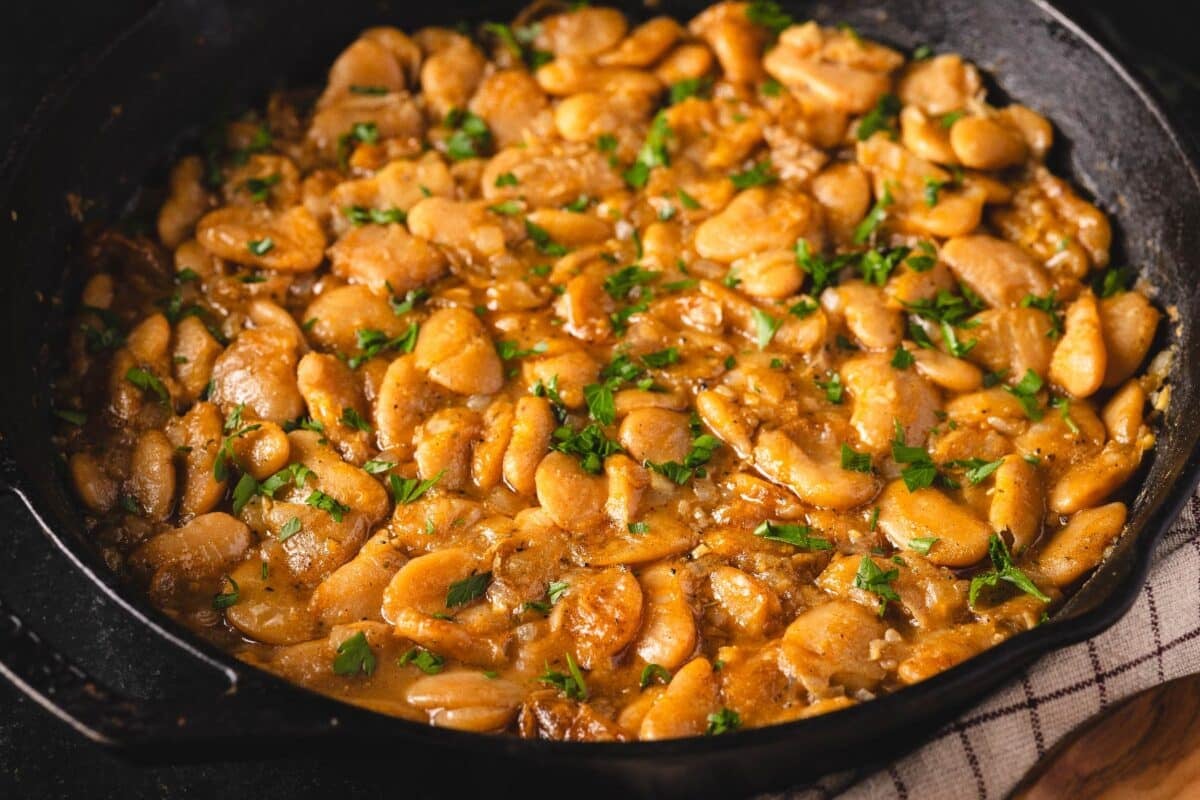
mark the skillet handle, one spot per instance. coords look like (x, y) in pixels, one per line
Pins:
(157, 729)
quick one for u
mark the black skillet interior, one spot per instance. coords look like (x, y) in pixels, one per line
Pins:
(111, 127)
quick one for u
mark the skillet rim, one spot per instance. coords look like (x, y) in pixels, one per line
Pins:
(1009, 656)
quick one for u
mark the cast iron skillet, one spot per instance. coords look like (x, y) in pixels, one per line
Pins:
(107, 129)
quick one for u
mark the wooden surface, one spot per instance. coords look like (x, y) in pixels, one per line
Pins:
(1147, 747)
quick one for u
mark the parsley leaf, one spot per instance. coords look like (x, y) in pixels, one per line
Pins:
(354, 656)
(425, 660)
(589, 445)
(902, 359)
(319, 499)
(690, 87)
(1048, 304)
(761, 174)
(1064, 410)
(506, 179)
(1026, 391)
(511, 350)
(246, 488)
(653, 152)
(769, 15)
(289, 529)
(822, 271)
(372, 342)
(260, 247)
(923, 544)
(701, 452)
(726, 720)
(145, 380)
(874, 580)
(833, 388)
(293, 473)
(224, 600)
(361, 215)
(880, 118)
(870, 223)
(600, 402)
(542, 241)
(855, 461)
(410, 490)
(765, 327)
(570, 683)
(471, 137)
(654, 673)
(468, 590)
(797, 535)
(1002, 570)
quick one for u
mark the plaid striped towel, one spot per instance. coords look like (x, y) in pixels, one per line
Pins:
(985, 752)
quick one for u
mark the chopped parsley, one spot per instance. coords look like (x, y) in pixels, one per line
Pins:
(506, 179)
(352, 419)
(765, 327)
(1026, 391)
(870, 223)
(726, 720)
(361, 215)
(410, 490)
(508, 350)
(1113, 281)
(145, 380)
(654, 673)
(589, 445)
(1064, 410)
(690, 87)
(701, 452)
(425, 660)
(834, 389)
(509, 208)
(902, 359)
(471, 137)
(1002, 570)
(411, 298)
(570, 683)
(771, 88)
(872, 579)
(260, 247)
(329, 505)
(976, 470)
(542, 241)
(244, 491)
(295, 473)
(922, 544)
(818, 268)
(259, 189)
(224, 600)
(73, 417)
(468, 590)
(653, 152)
(769, 15)
(1048, 304)
(372, 342)
(855, 461)
(354, 656)
(761, 174)
(880, 118)
(289, 529)
(933, 188)
(921, 472)
(797, 535)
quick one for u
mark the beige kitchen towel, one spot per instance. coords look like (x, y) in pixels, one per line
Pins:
(986, 751)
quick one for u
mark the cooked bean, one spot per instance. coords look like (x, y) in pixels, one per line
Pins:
(271, 608)
(186, 202)
(668, 634)
(602, 614)
(830, 644)
(1079, 545)
(383, 256)
(1018, 501)
(1123, 413)
(194, 355)
(961, 537)
(750, 606)
(264, 451)
(1080, 359)
(199, 431)
(421, 584)
(443, 446)
(1090, 482)
(335, 401)
(533, 422)
(820, 483)
(289, 241)
(152, 482)
(457, 353)
(509, 101)
(466, 700)
(95, 488)
(985, 143)
(655, 434)
(683, 709)
(574, 499)
(258, 370)
(757, 219)
(999, 272)
(1128, 322)
(645, 44)
(200, 549)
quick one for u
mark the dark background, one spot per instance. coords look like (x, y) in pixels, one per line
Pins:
(40, 756)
